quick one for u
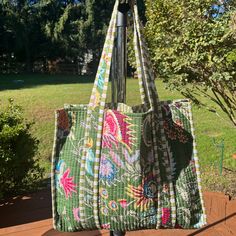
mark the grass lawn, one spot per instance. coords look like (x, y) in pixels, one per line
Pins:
(40, 95)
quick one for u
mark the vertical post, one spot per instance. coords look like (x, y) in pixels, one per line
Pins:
(121, 52)
(221, 146)
(119, 59)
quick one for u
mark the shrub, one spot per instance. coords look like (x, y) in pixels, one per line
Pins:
(18, 165)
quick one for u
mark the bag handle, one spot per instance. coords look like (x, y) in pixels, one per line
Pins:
(143, 82)
(145, 91)
(99, 91)
(145, 72)
(96, 106)
(149, 78)
(95, 115)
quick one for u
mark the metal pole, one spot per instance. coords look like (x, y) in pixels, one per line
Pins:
(119, 59)
(121, 52)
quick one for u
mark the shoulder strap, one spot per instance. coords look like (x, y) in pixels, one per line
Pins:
(93, 133)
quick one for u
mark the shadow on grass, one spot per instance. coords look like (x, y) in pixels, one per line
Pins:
(11, 82)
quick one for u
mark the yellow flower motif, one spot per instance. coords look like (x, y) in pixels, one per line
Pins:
(144, 194)
(113, 205)
(89, 143)
(96, 100)
(105, 211)
(104, 193)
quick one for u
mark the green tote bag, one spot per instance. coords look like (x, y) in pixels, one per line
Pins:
(130, 168)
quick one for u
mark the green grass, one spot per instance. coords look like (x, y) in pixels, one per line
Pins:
(41, 95)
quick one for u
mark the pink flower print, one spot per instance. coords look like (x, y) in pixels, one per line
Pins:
(179, 123)
(106, 226)
(76, 213)
(123, 203)
(183, 138)
(67, 183)
(111, 132)
(165, 125)
(116, 158)
(126, 132)
(165, 215)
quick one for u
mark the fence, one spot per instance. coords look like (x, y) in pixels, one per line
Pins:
(50, 67)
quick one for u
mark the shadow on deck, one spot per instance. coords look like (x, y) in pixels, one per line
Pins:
(31, 215)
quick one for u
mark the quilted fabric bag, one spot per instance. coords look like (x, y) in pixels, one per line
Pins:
(130, 168)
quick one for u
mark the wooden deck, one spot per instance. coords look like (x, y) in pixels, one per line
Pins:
(31, 216)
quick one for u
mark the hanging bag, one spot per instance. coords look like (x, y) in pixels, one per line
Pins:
(130, 168)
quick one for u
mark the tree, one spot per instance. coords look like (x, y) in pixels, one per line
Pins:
(79, 27)
(64, 26)
(22, 31)
(99, 14)
(39, 30)
(193, 48)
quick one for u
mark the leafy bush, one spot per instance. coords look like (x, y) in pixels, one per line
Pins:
(193, 49)
(18, 167)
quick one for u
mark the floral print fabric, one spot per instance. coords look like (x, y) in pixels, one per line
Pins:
(132, 195)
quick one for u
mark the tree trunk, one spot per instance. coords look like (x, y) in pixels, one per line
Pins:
(29, 62)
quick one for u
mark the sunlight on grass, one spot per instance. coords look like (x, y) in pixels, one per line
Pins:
(40, 97)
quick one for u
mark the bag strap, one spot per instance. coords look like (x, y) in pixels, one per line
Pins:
(140, 72)
(99, 91)
(96, 106)
(95, 112)
(157, 120)
(144, 86)
(146, 77)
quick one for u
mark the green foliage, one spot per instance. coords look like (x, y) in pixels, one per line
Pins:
(66, 28)
(22, 33)
(233, 24)
(99, 14)
(213, 181)
(130, 34)
(193, 49)
(18, 147)
(40, 99)
(41, 30)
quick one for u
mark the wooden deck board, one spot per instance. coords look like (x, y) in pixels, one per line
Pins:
(31, 216)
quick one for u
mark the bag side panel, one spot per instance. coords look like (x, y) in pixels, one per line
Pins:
(66, 168)
(128, 182)
(185, 173)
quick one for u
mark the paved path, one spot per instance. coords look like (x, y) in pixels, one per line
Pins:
(31, 216)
